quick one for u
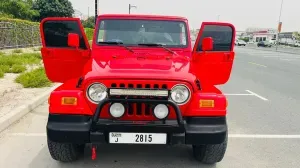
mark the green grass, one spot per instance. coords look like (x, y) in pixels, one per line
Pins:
(5, 68)
(1, 53)
(20, 59)
(34, 79)
(1, 74)
(17, 51)
(18, 69)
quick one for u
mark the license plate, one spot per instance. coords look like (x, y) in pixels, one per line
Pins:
(137, 138)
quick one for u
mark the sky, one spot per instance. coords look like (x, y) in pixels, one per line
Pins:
(241, 13)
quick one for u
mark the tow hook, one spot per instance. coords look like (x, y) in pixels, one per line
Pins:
(94, 152)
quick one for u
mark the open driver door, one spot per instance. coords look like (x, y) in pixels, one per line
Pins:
(65, 49)
(213, 54)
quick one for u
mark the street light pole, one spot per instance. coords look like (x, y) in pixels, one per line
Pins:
(96, 10)
(218, 17)
(131, 6)
(278, 24)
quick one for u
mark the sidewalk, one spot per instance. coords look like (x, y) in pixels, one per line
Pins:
(15, 100)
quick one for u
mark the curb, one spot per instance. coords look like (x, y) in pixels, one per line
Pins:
(280, 51)
(21, 111)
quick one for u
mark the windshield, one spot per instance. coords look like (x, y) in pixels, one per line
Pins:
(134, 32)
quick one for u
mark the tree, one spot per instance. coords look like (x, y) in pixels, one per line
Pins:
(297, 35)
(89, 23)
(246, 39)
(53, 8)
(18, 9)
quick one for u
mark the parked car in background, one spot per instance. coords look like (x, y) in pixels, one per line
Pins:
(272, 41)
(297, 44)
(264, 44)
(240, 43)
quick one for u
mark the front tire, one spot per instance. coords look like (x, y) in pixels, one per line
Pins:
(210, 153)
(65, 152)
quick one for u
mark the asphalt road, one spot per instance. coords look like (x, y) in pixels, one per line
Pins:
(280, 48)
(263, 119)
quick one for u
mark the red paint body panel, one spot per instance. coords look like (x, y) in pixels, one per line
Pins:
(210, 93)
(81, 108)
(62, 64)
(213, 67)
(147, 65)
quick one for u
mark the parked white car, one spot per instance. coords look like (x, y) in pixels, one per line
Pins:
(297, 44)
(272, 41)
(240, 43)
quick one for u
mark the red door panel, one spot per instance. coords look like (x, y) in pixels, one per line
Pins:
(214, 67)
(61, 61)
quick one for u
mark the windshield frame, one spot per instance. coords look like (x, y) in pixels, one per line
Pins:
(144, 19)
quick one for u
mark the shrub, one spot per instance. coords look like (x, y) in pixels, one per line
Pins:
(5, 68)
(9, 60)
(34, 79)
(29, 58)
(1, 74)
(20, 59)
(19, 32)
(17, 51)
(89, 33)
(18, 68)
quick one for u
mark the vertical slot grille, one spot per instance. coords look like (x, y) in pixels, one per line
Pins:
(139, 86)
(139, 109)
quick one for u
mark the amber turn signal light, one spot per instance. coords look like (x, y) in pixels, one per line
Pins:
(206, 103)
(69, 101)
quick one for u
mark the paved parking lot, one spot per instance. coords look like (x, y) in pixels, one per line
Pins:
(263, 119)
(281, 48)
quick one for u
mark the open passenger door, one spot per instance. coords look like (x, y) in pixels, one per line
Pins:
(65, 48)
(213, 54)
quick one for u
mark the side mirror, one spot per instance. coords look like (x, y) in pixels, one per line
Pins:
(207, 44)
(73, 40)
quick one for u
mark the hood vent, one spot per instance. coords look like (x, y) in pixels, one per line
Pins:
(197, 81)
(139, 86)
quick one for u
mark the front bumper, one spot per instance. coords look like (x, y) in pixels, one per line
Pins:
(86, 129)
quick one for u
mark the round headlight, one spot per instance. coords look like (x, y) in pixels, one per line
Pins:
(117, 110)
(161, 111)
(180, 94)
(97, 92)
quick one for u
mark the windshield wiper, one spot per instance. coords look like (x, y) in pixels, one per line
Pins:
(158, 45)
(117, 43)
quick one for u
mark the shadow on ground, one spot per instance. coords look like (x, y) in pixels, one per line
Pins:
(126, 156)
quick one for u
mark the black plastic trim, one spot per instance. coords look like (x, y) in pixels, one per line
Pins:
(78, 129)
(69, 128)
(109, 100)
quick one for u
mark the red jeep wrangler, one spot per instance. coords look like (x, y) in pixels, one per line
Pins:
(140, 83)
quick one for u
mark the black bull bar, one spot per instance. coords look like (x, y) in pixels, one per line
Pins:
(102, 125)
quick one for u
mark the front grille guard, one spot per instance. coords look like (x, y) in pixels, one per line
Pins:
(115, 100)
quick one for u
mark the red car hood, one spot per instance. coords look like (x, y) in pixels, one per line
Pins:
(142, 67)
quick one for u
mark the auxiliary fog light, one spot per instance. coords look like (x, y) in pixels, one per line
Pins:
(116, 110)
(161, 111)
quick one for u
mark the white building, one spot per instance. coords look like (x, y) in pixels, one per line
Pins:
(261, 34)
